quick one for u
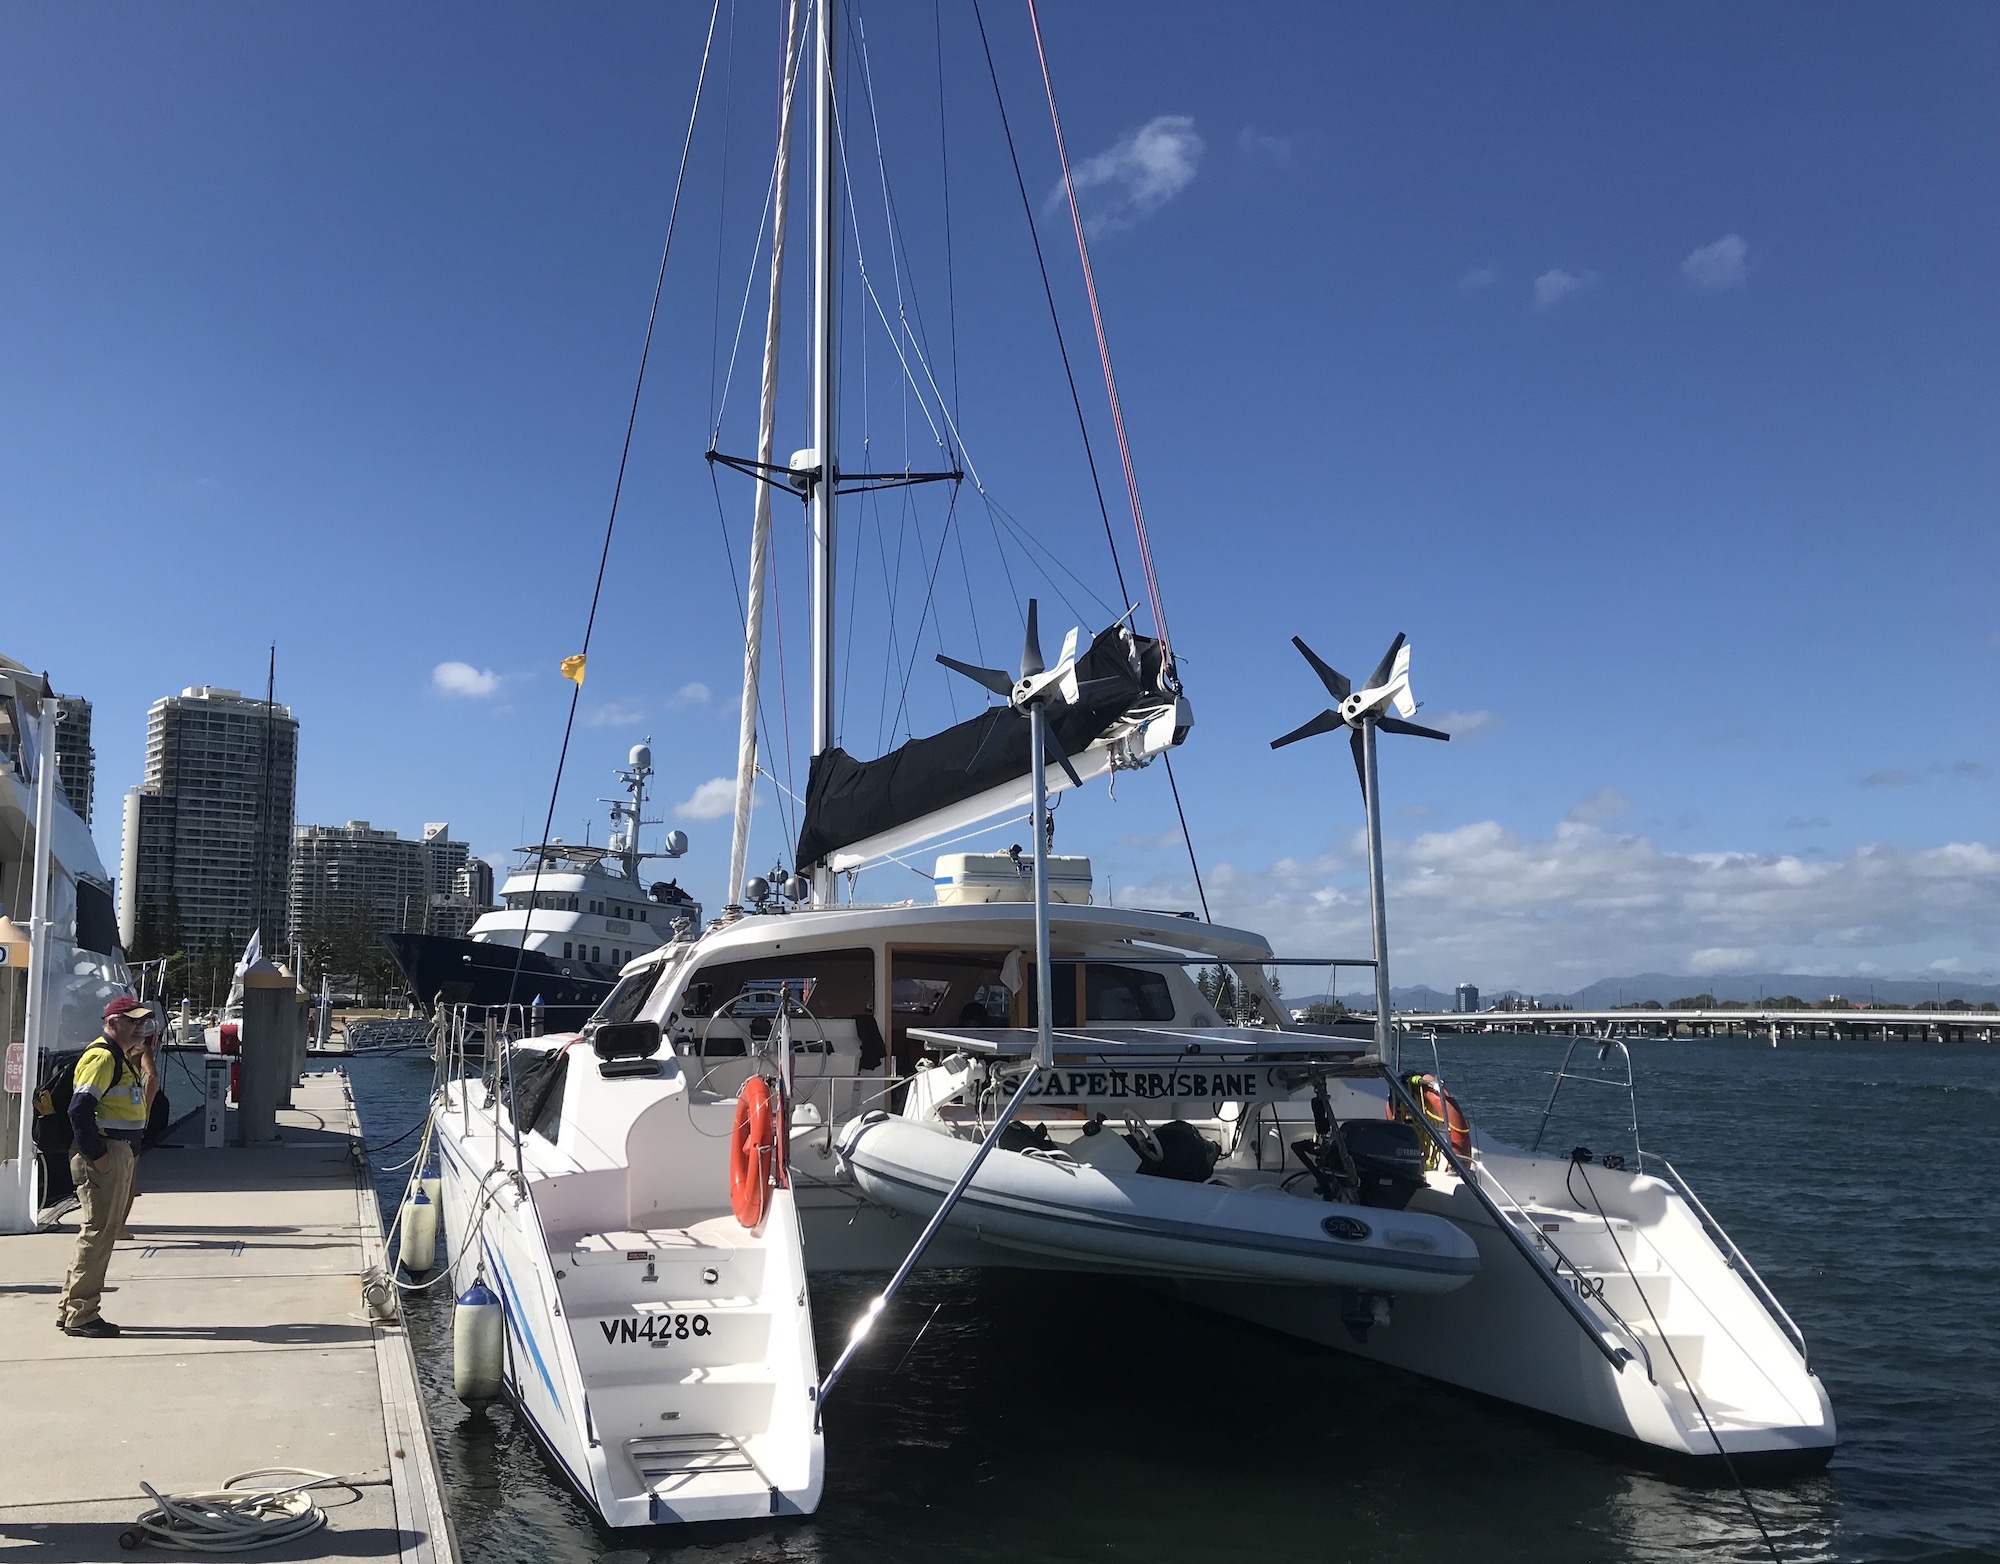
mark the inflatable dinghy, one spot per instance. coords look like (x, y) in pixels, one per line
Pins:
(1048, 1203)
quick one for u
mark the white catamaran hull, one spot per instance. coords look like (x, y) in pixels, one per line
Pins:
(659, 1349)
(1710, 1365)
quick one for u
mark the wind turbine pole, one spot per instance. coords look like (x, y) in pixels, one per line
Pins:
(1377, 911)
(1045, 1042)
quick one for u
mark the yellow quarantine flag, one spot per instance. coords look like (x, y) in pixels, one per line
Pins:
(572, 669)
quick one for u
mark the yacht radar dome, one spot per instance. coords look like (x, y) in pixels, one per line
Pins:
(641, 758)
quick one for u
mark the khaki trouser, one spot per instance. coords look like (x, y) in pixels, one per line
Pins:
(104, 1192)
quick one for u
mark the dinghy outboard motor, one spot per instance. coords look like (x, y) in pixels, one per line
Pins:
(1388, 1158)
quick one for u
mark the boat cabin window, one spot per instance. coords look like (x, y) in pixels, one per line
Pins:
(841, 983)
(625, 1001)
(915, 996)
(1132, 994)
(547, 901)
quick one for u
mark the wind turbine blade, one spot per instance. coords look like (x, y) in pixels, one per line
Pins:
(1325, 722)
(1398, 725)
(1401, 696)
(1031, 644)
(992, 678)
(1056, 752)
(1360, 765)
(997, 734)
(1335, 682)
(1387, 666)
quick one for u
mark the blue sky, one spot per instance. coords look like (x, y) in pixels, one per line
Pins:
(1642, 366)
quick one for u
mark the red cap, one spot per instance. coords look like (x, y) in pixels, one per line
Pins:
(124, 1004)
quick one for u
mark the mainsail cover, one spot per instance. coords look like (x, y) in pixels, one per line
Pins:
(849, 800)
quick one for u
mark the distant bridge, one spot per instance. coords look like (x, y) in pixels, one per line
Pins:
(1942, 1026)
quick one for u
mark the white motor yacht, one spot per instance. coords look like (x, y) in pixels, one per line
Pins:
(570, 916)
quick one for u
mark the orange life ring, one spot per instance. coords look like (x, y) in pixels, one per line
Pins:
(755, 1164)
(1442, 1109)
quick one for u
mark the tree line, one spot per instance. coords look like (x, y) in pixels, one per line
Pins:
(346, 953)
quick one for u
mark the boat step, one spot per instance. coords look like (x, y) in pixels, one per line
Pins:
(660, 1456)
(738, 1397)
(664, 1262)
(1623, 1293)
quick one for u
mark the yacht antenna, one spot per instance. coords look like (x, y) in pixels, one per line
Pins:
(1362, 710)
(639, 767)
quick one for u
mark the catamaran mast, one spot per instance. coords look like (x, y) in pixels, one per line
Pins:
(824, 481)
(760, 531)
(823, 383)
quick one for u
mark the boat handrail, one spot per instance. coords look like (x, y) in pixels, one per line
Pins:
(1614, 1354)
(1605, 1043)
(1738, 1261)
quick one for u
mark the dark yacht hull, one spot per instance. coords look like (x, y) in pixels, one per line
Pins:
(466, 972)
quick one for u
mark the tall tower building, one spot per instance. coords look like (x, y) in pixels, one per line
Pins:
(354, 874)
(208, 835)
(343, 875)
(76, 761)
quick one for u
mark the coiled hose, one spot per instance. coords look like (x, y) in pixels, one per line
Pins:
(236, 1517)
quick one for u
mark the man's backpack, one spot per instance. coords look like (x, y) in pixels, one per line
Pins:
(52, 1131)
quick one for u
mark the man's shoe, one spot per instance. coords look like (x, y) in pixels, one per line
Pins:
(100, 1327)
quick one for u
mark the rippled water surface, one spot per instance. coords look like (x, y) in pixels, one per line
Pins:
(1077, 1418)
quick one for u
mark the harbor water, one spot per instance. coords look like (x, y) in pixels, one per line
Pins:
(1011, 1416)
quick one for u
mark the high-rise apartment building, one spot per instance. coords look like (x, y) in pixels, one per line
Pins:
(76, 761)
(348, 874)
(208, 834)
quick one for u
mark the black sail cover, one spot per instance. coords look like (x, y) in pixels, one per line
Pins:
(849, 800)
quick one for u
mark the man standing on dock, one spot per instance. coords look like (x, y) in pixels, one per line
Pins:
(107, 1116)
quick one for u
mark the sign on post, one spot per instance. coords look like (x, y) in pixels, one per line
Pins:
(215, 1100)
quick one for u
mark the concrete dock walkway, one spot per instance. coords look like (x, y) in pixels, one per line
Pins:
(245, 1345)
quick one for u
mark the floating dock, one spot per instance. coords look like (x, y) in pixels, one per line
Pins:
(246, 1344)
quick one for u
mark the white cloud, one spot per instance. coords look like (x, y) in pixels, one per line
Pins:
(1137, 175)
(1466, 727)
(619, 714)
(711, 801)
(1723, 264)
(1605, 804)
(1481, 904)
(693, 694)
(1478, 280)
(1718, 959)
(1254, 143)
(1555, 285)
(464, 682)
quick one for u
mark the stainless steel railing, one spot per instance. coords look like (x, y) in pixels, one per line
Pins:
(1738, 1261)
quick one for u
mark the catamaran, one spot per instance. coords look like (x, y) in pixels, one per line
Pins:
(1009, 1073)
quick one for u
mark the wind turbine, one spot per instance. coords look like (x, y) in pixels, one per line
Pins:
(1364, 710)
(1029, 696)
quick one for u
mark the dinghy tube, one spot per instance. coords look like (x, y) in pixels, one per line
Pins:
(1051, 1205)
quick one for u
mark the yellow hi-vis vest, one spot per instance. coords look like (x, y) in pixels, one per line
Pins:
(115, 1082)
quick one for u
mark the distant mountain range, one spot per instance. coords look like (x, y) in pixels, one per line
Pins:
(1608, 993)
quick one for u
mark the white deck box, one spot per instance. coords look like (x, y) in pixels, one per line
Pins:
(972, 879)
